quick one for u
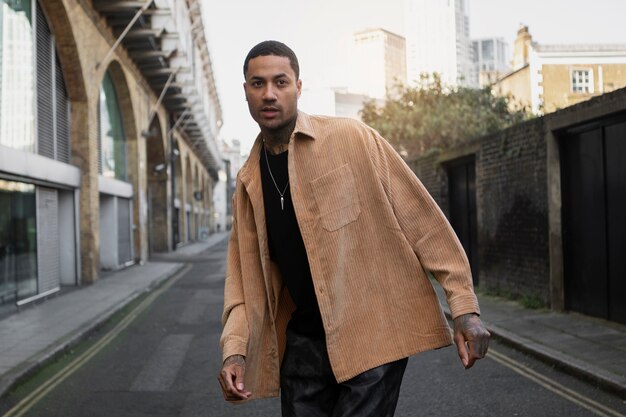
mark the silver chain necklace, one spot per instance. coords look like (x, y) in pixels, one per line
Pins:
(282, 195)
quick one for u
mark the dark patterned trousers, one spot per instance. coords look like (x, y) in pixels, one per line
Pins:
(309, 388)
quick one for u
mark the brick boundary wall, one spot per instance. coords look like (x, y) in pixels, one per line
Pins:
(512, 205)
(511, 200)
(512, 185)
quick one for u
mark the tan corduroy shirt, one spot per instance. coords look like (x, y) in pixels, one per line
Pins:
(370, 230)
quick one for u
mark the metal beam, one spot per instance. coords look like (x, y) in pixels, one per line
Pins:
(146, 55)
(158, 103)
(164, 71)
(145, 33)
(119, 6)
(119, 40)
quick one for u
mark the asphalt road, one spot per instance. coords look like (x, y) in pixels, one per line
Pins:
(165, 362)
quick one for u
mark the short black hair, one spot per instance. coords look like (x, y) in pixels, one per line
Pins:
(272, 48)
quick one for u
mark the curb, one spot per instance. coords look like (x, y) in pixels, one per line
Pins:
(28, 368)
(567, 364)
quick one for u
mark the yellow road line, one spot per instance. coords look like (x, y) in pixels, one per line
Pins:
(557, 388)
(40, 392)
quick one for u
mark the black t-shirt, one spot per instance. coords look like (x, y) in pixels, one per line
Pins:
(286, 246)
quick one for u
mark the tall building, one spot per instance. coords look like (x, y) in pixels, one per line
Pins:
(225, 188)
(334, 102)
(490, 60)
(109, 119)
(437, 40)
(378, 63)
(546, 78)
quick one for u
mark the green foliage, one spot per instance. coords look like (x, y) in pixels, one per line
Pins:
(433, 115)
(532, 302)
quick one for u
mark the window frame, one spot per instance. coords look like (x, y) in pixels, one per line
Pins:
(573, 77)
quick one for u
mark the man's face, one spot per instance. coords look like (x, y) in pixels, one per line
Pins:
(272, 91)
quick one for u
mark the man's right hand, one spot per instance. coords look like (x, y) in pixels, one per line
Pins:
(231, 379)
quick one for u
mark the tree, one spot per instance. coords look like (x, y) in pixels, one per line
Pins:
(432, 115)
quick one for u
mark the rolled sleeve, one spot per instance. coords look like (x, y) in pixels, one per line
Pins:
(426, 228)
(235, 333)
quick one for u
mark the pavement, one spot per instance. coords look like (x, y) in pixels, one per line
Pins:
(590, 348)
(37, 334)
(586, 347)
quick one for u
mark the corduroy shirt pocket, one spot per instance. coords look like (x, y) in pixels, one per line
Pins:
(336, 198)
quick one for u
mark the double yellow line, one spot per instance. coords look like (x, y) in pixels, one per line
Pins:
(557, 388)
(34, 397)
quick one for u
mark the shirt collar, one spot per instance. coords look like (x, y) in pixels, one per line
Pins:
(303, 125)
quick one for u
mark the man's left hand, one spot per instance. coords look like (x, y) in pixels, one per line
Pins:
(471, 338)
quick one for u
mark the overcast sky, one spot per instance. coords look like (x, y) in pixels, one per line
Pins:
(319, 31)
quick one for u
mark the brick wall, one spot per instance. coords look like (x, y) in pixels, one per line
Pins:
(512, 205)
(512, 185)
(429, 171)
(512, 211)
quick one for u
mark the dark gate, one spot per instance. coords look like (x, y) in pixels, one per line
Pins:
(462, 204)
(593, 164)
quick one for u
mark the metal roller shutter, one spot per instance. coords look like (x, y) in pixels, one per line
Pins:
(99, 136)
(45, 99)
(48, 255)
(124, 243)
(62, 107)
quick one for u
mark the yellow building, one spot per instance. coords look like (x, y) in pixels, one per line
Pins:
(109, 124)
(546, 78)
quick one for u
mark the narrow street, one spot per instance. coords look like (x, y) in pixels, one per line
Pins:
(164, 362)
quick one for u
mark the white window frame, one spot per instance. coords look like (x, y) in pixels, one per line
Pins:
(590, 84)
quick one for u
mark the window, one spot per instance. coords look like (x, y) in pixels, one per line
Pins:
(53, 106)
(487, 50)
(18, 241)
(582, 81)
(111, 137)
(17, 75)
(31, 120)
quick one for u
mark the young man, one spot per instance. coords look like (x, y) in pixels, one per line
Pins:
(326, 294)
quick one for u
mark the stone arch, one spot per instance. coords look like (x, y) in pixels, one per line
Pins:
(124, 101)
(179, 201)
(188, 198)
(83, 132)
(65, 39)
(197, 205)
(205, 208)
(132, 156)
(157, 174)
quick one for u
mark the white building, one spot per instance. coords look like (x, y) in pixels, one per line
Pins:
(333, 102)
(378, 62)
(490, 57)
(437, 40)
(225, 188)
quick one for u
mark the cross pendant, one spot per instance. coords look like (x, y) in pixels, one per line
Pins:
(282, 203)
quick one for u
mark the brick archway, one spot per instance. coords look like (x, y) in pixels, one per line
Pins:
(157, 170)
(135, 175)
(83, 133)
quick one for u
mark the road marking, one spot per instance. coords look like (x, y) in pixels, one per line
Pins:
(159, 374)
(194, 312)
(40, 392)
(557, 388)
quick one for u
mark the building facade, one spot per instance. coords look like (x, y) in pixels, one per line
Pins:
(108, 124)
(225, 188)
(334, 102)
(437, 41)
(489, 57)
(546, 78)
(539, 207)
(378, 62)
